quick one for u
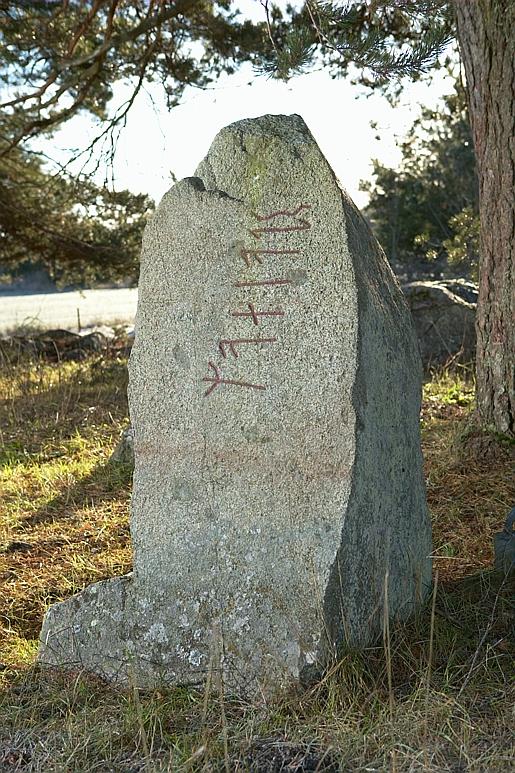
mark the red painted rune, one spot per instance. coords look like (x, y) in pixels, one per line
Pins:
(263, 283)
(247, 255)
(301, 224)
(281, 212)
(218, 379)
(255, 315)
(229, 344)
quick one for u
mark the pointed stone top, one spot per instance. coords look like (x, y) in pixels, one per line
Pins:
(287, 127)
(270, 157)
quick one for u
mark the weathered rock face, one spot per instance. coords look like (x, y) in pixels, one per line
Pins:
(444, 321)
(124, 451)
(274, 394)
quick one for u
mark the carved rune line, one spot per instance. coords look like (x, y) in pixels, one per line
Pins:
(279, 212)
(255, 315)
(219, 379)
(247, 254)
(302, 223)
(229, 344)
(264, 282)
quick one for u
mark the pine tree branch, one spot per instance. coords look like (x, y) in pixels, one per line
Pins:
(335, 28)
(115, 41)
(82, 28)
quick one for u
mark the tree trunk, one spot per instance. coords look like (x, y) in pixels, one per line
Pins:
(486, 34)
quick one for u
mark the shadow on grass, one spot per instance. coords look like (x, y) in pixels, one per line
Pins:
(105, 482)
(475, 621)
(51, 403)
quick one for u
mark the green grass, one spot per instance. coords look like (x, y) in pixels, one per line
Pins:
(437, 696)
(450, 388)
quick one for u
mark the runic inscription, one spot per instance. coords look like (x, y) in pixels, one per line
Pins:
(257, 254)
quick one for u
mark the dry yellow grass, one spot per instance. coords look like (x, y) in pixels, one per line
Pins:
(63, 508)
(470, 478)
(437, 696)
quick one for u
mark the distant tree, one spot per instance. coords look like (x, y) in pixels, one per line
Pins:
(78, 232)
(425, 211)
(462, 247)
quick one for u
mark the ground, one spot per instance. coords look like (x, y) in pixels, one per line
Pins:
(436, 694)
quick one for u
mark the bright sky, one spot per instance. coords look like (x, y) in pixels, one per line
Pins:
(156, 141)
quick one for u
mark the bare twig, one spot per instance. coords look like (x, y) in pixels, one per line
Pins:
(266, 6)
(429, 665)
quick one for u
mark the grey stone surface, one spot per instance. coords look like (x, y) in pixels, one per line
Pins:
(444, 321)
(124, 451)
(278, 491)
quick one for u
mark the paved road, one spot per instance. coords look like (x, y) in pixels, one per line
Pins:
(53, 310)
